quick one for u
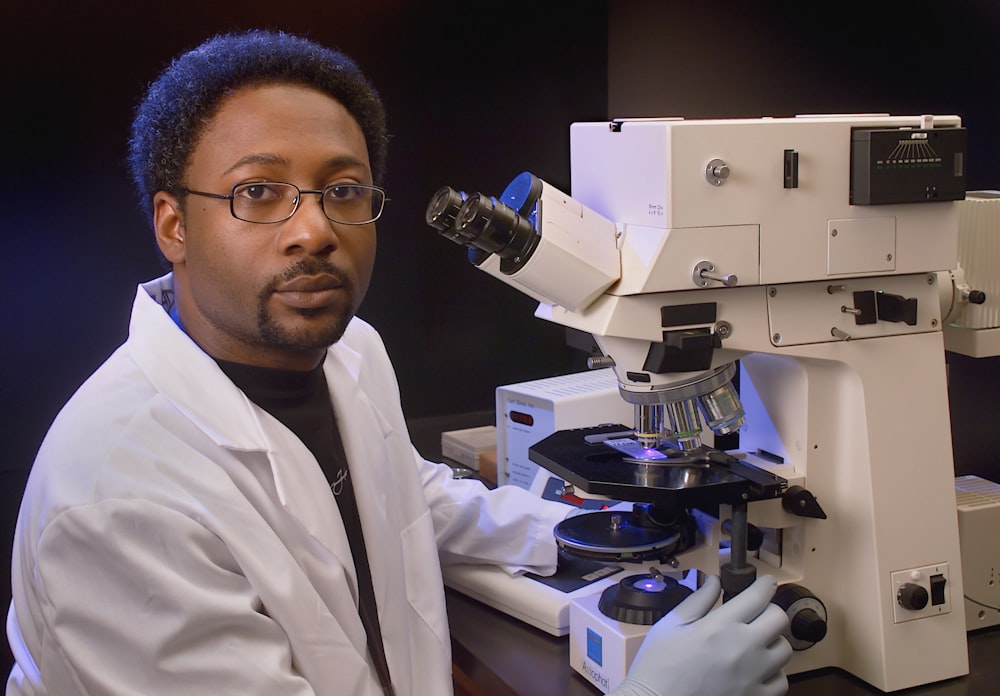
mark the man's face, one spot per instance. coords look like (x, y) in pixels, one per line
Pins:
(274, 295)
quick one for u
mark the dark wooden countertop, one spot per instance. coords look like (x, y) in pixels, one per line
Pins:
(505, 657)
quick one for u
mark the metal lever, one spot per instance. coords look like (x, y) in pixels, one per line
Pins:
(704, 272)
(716, 172)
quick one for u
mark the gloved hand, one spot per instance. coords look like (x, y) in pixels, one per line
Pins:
(736, 650)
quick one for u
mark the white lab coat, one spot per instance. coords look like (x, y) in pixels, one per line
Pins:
(175, 538)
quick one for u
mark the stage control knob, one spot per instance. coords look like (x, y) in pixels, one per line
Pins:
(912, 596)
(807, 617)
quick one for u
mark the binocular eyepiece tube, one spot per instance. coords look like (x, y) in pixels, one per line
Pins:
(489, 224)
(533, 237)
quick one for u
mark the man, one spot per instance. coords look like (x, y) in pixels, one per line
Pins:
(231, 503)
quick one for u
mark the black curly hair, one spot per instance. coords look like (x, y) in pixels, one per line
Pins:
(184, 98)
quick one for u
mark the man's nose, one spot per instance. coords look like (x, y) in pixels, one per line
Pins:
(309, 229)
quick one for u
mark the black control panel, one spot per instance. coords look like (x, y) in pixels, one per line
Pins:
(907, 165)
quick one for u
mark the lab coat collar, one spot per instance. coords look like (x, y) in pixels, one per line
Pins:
(179, 369)
(165, 353)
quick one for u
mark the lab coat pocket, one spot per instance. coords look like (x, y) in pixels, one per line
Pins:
(424, 584)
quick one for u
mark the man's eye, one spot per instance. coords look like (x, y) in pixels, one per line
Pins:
(346, 192)
(260, 193)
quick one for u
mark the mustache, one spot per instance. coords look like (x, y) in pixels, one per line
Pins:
(307, 266)
(310, 266)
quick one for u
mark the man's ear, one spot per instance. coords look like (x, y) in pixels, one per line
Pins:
(168, 226)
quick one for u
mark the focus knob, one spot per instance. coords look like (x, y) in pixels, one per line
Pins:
(808, 626)
(912, 596)
(807, 618)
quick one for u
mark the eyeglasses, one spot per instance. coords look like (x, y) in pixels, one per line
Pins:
(274, 201)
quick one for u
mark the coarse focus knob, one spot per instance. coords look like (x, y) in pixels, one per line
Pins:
(912, 596)
(807, 618)
(807, 625)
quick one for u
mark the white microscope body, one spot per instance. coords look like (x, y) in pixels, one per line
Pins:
(807, 249)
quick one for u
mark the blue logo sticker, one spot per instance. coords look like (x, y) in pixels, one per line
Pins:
(594, 649)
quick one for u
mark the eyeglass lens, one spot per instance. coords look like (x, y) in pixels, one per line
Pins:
(274, 201)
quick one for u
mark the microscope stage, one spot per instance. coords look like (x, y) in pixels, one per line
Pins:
(707, 477)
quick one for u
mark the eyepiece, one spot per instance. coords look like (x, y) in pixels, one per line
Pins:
(492, 226)
(442, 211)
(487, 226)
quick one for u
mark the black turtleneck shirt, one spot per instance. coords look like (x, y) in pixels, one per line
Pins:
(301, 401)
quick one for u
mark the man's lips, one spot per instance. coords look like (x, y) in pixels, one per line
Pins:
(310, 283)
(309, 292)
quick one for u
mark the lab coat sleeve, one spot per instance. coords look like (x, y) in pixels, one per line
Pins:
(139, 598)
(508, 526)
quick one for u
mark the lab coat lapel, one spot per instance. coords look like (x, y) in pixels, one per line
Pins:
(325, 551)
(286, 471)
(365, 433)
(232, 420)
(306, 495)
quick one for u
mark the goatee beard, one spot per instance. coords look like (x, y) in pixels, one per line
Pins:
(272, 334)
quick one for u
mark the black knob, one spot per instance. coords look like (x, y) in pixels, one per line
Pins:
(912, 596)
(799, 501)
(642, 599)
(807, 617)
(977, 296)
(808, 626)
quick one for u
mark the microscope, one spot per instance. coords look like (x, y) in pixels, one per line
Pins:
(773, 283)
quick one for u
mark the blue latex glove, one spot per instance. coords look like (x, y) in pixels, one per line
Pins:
(736, 650)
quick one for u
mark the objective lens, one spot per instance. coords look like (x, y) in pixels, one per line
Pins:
(723, 410)
(686, 423)
(649, 424)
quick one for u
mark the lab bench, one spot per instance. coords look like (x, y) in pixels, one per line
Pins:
(496, 655)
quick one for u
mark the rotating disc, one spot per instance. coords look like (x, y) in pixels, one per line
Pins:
(610, 536)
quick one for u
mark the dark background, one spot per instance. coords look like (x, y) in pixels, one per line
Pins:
(476, 92)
